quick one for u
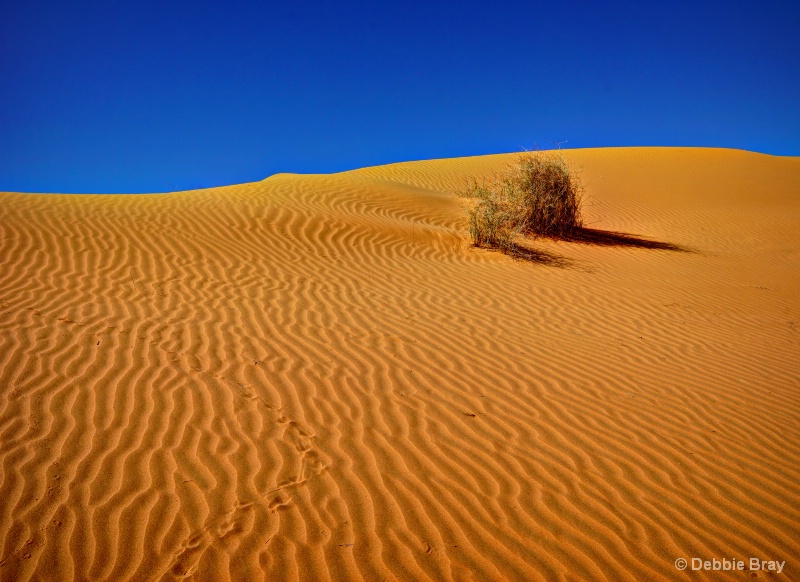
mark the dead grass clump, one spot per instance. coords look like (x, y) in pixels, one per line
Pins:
(492, 219)
(539, 196)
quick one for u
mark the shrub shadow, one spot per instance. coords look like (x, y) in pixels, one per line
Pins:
(609, 238)
(587, 236)
(525, 253)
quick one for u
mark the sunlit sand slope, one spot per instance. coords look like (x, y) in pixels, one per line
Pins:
(315, 378)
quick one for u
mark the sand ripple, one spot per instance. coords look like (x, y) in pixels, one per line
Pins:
(314, 378)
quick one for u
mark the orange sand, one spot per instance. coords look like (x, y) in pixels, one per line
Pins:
(315, 378)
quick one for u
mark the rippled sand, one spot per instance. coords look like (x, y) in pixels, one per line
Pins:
(314, 377)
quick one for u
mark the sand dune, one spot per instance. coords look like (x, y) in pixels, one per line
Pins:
(314, 377)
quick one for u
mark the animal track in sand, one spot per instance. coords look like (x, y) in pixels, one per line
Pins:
(273, 501)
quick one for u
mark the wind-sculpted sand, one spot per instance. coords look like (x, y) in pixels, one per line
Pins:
(314, 377)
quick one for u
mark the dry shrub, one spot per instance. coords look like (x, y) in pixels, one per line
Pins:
(539, 196)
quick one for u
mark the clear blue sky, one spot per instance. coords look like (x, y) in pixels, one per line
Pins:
(152, 96)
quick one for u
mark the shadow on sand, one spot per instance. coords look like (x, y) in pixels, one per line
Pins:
(609, 238)
(590, 236)
(526, 253)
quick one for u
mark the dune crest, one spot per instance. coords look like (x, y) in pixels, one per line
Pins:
(316, 378)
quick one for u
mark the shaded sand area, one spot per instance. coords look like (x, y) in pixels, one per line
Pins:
(315, 378)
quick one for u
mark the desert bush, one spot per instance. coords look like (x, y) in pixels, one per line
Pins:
(492, 220)
(539, 196)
